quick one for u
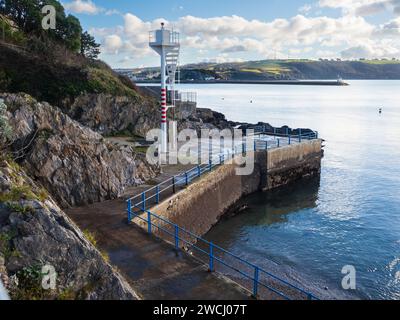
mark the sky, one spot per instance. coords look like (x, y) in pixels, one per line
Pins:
(240, 30)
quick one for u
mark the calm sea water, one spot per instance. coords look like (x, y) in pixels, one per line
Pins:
(351, 215)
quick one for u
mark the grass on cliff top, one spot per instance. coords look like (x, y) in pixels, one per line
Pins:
(57, 76)
(102, 80)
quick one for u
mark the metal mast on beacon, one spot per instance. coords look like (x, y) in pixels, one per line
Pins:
(166, 43)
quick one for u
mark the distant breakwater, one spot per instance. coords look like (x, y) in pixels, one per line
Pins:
(273, 82)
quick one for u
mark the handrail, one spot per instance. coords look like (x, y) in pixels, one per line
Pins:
(195, 173)
(190, 175)
(212, 257)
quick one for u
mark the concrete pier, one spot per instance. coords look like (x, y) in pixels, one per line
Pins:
(155, 268)
(200, 205)
(151, 266)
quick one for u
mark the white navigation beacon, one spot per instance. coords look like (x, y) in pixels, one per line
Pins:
(166, 44)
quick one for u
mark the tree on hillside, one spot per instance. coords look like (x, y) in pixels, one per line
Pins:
(71, 31)
(27, 14)
(89, 46)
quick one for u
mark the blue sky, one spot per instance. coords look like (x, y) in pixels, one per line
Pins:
(236, 30)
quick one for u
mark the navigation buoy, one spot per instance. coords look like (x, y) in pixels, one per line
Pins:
(380, 110)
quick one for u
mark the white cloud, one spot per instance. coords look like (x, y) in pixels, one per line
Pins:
(363, 7)
(222, 58)
(224, 33)
(371, 51)
(227, 35)
(112, 12)
(112, 44)
(305, 9)
(83, 6)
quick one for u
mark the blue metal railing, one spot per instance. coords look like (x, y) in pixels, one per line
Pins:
(152, 196)
(256, 278)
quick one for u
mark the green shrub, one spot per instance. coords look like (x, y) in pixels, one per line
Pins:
(102, 80)
(30, 285)
(20, 209)
(67, 294)
(141, 149)
(5, 245)
(17, 193)
(90, 237)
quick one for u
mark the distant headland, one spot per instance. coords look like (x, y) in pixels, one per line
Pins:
(277, 71)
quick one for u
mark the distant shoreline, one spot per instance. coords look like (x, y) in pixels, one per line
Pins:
(270, 82)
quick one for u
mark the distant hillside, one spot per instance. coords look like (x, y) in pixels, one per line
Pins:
(285, 70)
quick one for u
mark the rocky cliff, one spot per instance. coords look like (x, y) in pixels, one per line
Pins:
(35, 232)
(74, 163)
(108, 114)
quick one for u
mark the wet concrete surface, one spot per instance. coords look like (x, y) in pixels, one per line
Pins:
(153, 267)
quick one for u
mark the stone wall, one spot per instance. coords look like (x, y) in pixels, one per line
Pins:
(198, 207)
(290, 163)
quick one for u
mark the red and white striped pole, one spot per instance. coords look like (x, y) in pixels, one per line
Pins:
(164, 138)
(163, 105)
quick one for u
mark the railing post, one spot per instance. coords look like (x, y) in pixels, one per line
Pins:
(210, 165)
(144, 201)
(198, 171)
(211, 264)
(149, 222)
(255, 283)
(173, 185)
(186, 179)
(176, 237)
(157, 194)
(129, 208)
(290, 138)
(278, 143)
(220, 159)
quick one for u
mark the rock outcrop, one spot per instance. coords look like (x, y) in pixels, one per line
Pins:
(35, 232)
(205, 119)
(109, 114)
(75, 164)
